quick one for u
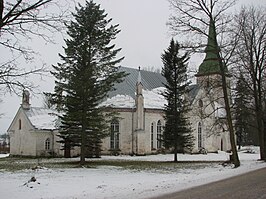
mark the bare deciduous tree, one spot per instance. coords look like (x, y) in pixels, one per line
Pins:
(194, 17)
(21, 21)
(250, 56)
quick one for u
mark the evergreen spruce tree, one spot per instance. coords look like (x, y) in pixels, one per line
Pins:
(244, 116)
(87, 73)
(177, 133)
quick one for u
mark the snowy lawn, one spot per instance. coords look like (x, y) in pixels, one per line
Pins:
(116, 176)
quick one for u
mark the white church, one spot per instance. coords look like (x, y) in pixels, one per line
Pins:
(139, 103)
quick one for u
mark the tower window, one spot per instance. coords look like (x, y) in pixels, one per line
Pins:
(19, 124)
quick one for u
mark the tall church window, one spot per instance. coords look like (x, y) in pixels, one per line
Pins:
(114, 138)
(200, 145)
(159, 134)
(47, 144)
(152, 136)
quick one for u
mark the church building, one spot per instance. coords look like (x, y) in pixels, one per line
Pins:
(139, 104)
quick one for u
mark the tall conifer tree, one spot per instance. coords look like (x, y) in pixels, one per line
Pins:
(245, 124)
(177, 132)
(88, 72)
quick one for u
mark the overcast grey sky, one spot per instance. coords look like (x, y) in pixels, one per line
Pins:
(143, 37)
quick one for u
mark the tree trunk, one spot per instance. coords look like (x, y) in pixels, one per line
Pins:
(262, 138)
(229, 121)
(175, 154)
(1, 13)
(235, 157)
(82, 148)
(264, 127)
(67, 149)
(258, 111)
(264, 152)
(236, 161)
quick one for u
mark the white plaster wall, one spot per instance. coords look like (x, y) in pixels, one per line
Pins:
(133, 141)
(125, 130)
(22, 141)
(145, 137)
(40, 143)
(212, 134)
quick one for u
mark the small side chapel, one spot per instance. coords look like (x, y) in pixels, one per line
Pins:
(139, 103)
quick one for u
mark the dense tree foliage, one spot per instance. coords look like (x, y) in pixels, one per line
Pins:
(177, 132)
(245, 124)
(88, 72)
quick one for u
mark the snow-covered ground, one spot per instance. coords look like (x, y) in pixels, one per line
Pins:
(116, 182)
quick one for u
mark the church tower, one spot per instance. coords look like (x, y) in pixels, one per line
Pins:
(209, 73)
(210, 65)
(210, 123)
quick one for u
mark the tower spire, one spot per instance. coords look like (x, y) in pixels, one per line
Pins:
(210, 64)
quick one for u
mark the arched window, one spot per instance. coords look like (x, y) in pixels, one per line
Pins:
(159, 134)
(152, 136)
(114, 138)
(47, 144)
(200, 135)
(19, 124)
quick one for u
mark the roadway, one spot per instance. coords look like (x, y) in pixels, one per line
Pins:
(251, 185)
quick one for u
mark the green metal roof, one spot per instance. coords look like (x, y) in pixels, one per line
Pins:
(150, 80)
(210, 64)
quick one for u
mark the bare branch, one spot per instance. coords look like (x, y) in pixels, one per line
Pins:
(24, 20)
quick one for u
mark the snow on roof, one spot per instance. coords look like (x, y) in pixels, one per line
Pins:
(152, 99)
(42, 118)
(119, 101)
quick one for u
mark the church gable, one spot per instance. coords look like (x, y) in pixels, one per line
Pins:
(34, 118)
(20, 121)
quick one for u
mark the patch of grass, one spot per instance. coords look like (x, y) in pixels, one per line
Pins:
(16, 164)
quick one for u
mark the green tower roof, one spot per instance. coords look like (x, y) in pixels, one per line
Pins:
(210, 64)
